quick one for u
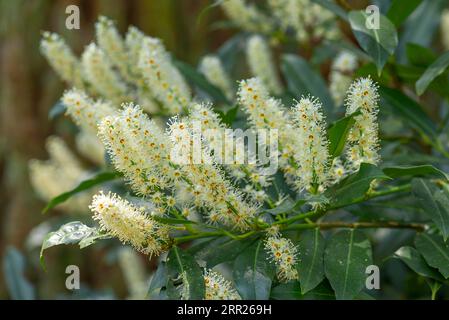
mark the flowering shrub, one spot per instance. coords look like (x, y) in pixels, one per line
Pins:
(290, 208)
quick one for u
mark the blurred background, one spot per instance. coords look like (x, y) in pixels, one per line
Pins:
(29, 88)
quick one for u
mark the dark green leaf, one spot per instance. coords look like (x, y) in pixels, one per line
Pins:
(292, 291)
(303, 80)
(19, 287)
(408, 109)
(201, 82)
(182, 266)
(435, 251)
(310, 264)
(286, 206)
(433, 71)
(354, 186)
(338, 133)
(70, 233)
(419, 56)
(426, 170)
(346, 257)
(380, 43)
(253, 273)
(401, 9)
(415, 261)
(228, 117)
(58, 109)
(159, 279)
(86, 184)
(222, 250)
(434, 202)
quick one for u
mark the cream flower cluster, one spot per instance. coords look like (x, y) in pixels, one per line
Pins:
(212, 68)
(246, 16)
(208, 184)
(307, 19)
(283, 253)
(313, 157)
(218, 288)
(363, 140)
(62, 59)
(165, 81)
(341, 75)
(129, 224)
(224, 143)
(100, 74)
(111, 69)
(62, 172)
(261, 63)
(265, 112)
(139, 149)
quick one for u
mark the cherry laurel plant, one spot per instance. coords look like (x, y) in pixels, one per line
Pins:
(165, 175)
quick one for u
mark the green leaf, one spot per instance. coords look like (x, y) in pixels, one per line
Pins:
(435, 251)
(416, 262)
(346, 257)
(380, 43)
(86, 184)
(292, 291)
(286, 206)
(70, 233)
(200, 81)
(333, 7)
(228, 117)
(408, 109)
(426, 170)
(338, 133)
(19, 287)
(222, 250)
(182, 266)
(354, 186)
(253, 273)
(310, 265)
(434, 202)
(303, 80)
(58, 109)
(401, 9)
(419, 56)
(433, 71)
(159, 279)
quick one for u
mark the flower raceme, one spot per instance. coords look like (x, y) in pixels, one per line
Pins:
(218, 288)
(283, 254)
(213, 70)
(129, 224)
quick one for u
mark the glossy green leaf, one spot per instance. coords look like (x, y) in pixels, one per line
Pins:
(408, 109)
(346, 257)
(419, 56)
(435, 251)
(292, 291)
(434, 202)
(426, 170)
(303, 80)
(411, 257)
(182, 266)
(222, 250)
(354, 186)
(432, 72)
(229, 116)
(338, 134)
(201, 82)
(85, 185)
(310, 265)
(158, 280)
(400, 10)
(19, 288)
(380, 43)
(71, 233)
(253, 273)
